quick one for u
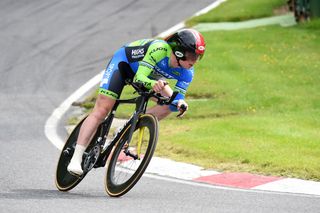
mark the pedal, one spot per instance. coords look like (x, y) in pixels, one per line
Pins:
(91, 159)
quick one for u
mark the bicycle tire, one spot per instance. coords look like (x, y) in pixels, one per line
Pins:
(64, 180)
(118, 162)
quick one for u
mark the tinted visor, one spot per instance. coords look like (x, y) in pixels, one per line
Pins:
(192, 56)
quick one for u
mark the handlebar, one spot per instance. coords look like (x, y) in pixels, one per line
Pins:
(161, 100)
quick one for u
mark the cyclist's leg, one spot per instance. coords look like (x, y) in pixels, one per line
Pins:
(102, 107)
(161, 111)
(110, 89)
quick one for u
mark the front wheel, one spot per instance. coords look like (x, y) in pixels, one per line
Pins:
(129, 160)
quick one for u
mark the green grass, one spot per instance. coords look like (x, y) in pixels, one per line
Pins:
(264, 112)
(235, 10)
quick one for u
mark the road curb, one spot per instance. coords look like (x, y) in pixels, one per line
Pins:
(166, 167)
(282, 20)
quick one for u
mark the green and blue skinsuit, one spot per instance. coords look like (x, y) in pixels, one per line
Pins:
(145, 61)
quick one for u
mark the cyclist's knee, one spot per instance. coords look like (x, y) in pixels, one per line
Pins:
(159, 111)
(166, 109)
(102, 107)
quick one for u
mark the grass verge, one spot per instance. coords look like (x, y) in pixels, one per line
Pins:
(264, 112)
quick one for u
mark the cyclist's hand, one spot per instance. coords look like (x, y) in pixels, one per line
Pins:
(182, 107)
(159, 86)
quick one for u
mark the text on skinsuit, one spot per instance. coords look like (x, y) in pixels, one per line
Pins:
(137, 53)
(106, 75)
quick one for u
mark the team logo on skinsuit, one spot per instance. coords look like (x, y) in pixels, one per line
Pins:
(158, 49)
(137, 53)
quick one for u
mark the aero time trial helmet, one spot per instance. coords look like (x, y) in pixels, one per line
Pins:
(187, 40)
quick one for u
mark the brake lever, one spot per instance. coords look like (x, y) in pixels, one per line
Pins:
(173, 96)
(183, 109)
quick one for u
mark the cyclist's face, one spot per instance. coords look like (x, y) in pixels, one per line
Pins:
(187, 63)
(190, 60)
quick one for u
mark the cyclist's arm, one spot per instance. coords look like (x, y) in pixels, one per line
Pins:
(182, 86)
(142, 74)
(156, 52)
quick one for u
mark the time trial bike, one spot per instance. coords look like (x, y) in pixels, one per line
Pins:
(127, 155)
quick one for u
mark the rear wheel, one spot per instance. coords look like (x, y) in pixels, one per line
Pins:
(64, 180)
(129, 160)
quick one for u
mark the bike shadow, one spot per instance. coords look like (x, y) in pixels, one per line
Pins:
(46, 194)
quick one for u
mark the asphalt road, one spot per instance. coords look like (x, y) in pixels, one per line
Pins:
(48, 49)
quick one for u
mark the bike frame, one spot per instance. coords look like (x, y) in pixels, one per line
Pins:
(98, 151)
(141, 103)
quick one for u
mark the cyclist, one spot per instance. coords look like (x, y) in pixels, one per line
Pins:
(149, 61)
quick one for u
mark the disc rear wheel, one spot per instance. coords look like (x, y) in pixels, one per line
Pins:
(64, 180)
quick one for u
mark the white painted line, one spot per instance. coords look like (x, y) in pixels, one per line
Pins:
(50, 128)
(182, 24)
(282, 20)
(210, 7)
(171, 30)
(167, 167)
(292, 185)
(205, 185)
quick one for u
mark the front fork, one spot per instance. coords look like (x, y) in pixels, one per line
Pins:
(139, 142)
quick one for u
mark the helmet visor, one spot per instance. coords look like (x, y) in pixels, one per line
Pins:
(192, 56)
